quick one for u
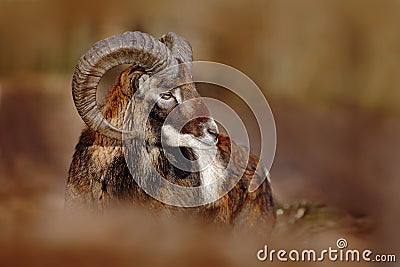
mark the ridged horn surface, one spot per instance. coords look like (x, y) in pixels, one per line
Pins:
(179, 46)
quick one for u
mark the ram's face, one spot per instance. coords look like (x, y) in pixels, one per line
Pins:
(177, 109)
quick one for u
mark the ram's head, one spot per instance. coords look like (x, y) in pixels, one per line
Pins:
(159, 81)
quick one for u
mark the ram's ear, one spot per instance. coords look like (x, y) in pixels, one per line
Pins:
(129, 80)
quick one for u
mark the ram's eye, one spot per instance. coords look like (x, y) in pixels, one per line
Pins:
(166, 95)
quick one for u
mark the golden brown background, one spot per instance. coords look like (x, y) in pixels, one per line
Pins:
(329, 69)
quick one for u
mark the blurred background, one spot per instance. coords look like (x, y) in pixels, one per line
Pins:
(329, 69)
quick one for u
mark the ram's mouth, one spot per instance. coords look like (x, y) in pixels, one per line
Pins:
(207, 141)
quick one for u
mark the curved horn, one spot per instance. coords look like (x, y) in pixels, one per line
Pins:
(178, 45)
(136, 48)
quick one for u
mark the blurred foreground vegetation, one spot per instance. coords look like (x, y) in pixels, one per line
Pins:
(330, 70)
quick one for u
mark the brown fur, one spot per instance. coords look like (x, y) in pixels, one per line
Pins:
(99, 175)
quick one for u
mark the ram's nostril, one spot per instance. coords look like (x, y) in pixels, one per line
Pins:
(213, 132)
